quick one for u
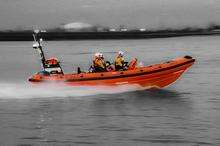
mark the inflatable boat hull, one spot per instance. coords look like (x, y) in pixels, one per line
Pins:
(157, 75)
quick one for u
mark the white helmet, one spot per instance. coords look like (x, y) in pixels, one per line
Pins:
(100, 55)
(97, 54)
(36, 45)
(121, 53)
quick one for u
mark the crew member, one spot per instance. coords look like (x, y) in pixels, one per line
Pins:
(102, 59)
(99, 63)
(119, 61)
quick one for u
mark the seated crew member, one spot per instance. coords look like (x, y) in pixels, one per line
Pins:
(99, 63)
(102, 59)
(119, 61)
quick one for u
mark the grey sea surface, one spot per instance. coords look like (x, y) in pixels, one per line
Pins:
(187, 113)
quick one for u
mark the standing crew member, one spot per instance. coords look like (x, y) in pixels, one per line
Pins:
(119, 61)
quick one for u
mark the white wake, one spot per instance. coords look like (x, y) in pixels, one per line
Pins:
(27, 90)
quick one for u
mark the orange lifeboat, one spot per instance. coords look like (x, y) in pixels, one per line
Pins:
(157, 75)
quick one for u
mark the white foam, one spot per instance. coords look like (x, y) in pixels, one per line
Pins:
(28, 90)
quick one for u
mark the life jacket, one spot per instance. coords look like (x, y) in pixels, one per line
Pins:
(119, 61)
(98, 62)
(132, 64)
(52, 61)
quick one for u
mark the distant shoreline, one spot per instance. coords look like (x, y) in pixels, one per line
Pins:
(27, 35)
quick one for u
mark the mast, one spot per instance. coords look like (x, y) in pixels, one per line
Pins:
(37, 46)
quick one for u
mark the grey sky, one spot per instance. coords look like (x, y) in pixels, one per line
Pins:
(132, 13)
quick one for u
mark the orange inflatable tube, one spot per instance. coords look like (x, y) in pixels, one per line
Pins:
(157, 75)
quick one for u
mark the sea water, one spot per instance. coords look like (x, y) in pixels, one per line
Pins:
(185, 113)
